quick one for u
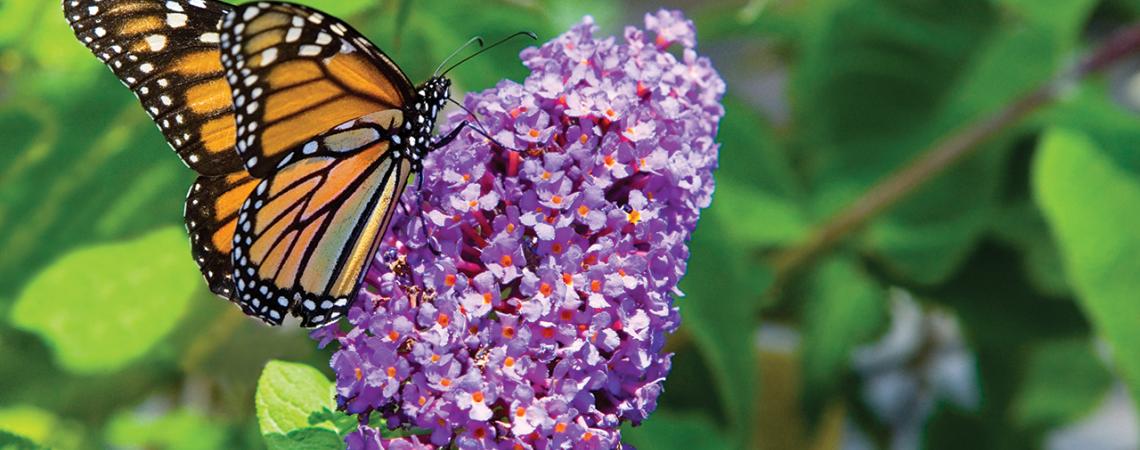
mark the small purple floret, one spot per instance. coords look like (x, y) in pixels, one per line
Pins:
(542, 321)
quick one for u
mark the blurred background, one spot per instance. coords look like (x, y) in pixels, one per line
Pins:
(995, 305)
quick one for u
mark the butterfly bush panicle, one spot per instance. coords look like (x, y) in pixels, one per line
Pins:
(541, 322)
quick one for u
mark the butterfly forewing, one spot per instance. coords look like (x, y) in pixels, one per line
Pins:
(307, 234)
(167, 53)
(296, 73)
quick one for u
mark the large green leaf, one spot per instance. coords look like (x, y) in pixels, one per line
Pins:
(756, 190)
(1064, 381)
(177, 430)
(719, 309)
(1090, 203)
(102, 307)
(288, 393)
(9, 441)
(667, 430)
(844, 308)
(881, 80)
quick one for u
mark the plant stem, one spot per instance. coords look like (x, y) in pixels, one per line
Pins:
(942, 155)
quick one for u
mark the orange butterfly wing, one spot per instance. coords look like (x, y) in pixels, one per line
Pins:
(211, 217)
(296, 73)
(305, 236)
(167, 53)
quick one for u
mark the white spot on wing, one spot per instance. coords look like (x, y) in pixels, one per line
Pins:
(309, 50)
(293, 34)
(156, 42)
(176, 20)
(268, 56)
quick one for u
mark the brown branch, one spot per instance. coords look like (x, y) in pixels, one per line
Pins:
(948, 151)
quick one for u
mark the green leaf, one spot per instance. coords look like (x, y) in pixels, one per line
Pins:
(844, 308)
(178, 430)
(1022, 226)
(288, 394)
(1064, 381)
(9, 441)
(720, 310)
(666, 430)
(883, 79)
(39, 427)
(28, 422)
(305, 439)
(1090, 204)
(756, 191)
(102, 307)
(343, 423)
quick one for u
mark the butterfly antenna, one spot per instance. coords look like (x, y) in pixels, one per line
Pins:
(478, 126)
(474, 40)
(521, 33)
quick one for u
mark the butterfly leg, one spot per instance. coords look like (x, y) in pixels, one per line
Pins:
(444, 140)
(423, 223)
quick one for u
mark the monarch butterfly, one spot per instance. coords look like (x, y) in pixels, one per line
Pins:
(303, 133)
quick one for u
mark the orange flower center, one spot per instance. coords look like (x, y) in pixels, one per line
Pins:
(442, 320)
(533, 133)
(477, 396)
(359, 375)
(520, 411)
(568, 279)
(545, 288)
(393, 335)
(509, 362)
(596, 285)
(391, 372)
(449, 280)
(583, 210)
(560, 427)
(634, 216)
(509, 332)
(487, 298)
(445, 382)
(557, 199)
(505, 260)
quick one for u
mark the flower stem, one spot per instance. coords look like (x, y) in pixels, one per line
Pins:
(942, 155)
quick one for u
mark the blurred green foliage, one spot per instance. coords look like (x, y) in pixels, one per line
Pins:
(107, 334)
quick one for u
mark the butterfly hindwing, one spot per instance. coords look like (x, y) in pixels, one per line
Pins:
(306, 235)
(167, 53)
(295, 73)
(211, 217)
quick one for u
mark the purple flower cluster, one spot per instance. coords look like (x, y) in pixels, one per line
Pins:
(526, 295)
